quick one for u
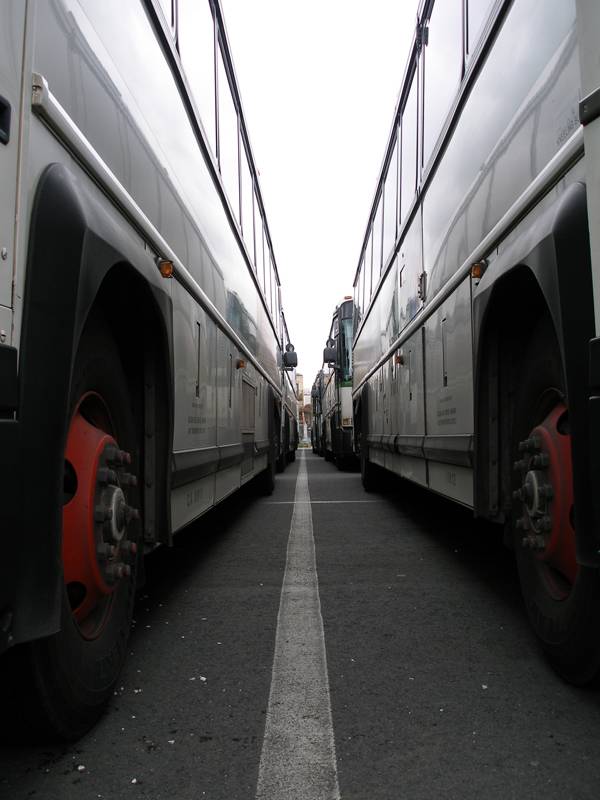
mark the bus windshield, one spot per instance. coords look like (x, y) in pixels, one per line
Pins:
(346, 349)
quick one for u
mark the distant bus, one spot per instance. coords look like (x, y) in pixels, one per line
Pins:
(287, 443)
(317, 435)
(336, 389)
(143, 352)
(475, 357)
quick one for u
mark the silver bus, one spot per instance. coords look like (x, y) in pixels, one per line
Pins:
(143, 353)
(317, 435)
(475, 357)
(336, 389)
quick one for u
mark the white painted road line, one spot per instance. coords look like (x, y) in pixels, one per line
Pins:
(312, 502)
(298, 754)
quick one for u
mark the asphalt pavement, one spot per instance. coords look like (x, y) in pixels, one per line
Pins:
(421, 676)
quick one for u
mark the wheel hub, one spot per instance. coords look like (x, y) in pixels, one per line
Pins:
(97, 546)
(545, 497)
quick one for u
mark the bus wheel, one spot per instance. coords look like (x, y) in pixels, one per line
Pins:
(368, 473)
(73, 673)
(561, 597)
(266, 479)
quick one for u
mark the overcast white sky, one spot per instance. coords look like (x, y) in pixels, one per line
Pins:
(319, 81)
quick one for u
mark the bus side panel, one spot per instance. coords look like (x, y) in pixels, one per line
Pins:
(449, 382)
(228, 417)
(486, 167)
(109, 79)
(12, 26)
(409, 416)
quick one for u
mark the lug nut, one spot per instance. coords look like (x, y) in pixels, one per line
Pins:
(127, 479)
(113, 455)
(533, 542)
(105, 550)
(128, 547)
(528, 445)
(131, 513)
(541, 460)
(115, 571)
(102, 514)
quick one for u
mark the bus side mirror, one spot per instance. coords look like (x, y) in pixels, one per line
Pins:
(329, 355)
(290, 357)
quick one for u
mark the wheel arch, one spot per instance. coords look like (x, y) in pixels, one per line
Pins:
(79, 250)
(544, 270)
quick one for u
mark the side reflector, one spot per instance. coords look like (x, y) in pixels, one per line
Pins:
(240, 364)
(165, 268)
(478, 269)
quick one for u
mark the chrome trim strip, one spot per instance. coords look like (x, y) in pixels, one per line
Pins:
(570, 152)
(49, 110)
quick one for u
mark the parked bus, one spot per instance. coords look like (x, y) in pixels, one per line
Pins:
(475, 355)
(142, 348)
(317, 435)
(288, 436)
(336, 389)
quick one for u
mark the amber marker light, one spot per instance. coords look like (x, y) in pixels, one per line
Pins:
(240, 364)
(477, 269)
(165, 268)
(399, 359)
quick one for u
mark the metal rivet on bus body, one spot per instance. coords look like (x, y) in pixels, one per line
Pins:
(4, 254)
(2, 336)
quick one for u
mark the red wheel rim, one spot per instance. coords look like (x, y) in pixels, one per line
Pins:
(547, 495)
(95, 516)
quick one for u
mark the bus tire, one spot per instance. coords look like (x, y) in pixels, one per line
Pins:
(368, 473)
(66, 680)
(562, 599)
(266, 479)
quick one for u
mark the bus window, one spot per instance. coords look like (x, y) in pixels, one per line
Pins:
(377, 234)
(361, 288)
(443, 68)
(258, 237)
(477, 14)
(228, 141)
(262, 263)
(409, 152)
(247, 188)
(167, 9)
(346, 348)
(197, 51)
(390, 204)
(369, 268)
